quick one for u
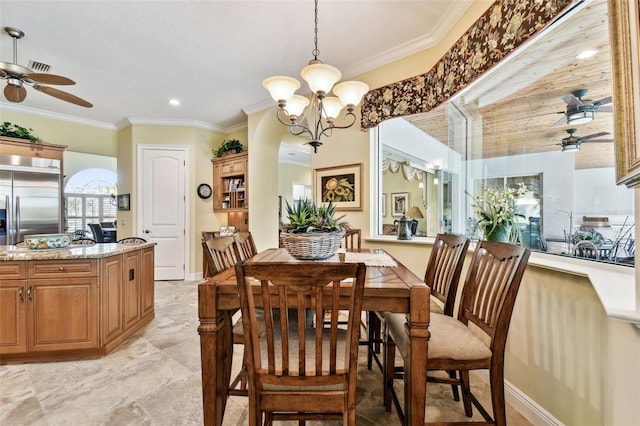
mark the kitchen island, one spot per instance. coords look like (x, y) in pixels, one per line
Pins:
(74, 302)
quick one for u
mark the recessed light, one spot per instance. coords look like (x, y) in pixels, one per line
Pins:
(586, 54)
(174, 102)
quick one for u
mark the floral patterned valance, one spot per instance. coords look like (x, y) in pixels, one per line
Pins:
(502, 28)
(408, 172)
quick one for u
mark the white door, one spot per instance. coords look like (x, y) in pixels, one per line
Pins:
(162, 178)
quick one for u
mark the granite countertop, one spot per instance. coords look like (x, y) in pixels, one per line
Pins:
(96, 251)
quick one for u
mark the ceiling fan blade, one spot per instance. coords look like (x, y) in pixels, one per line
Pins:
(15, 93)
(45, 78)
(606, 108)
(594, 135)
(599, 140)
(68, 97)
(571, 100)
(604, 101)
(563, 120)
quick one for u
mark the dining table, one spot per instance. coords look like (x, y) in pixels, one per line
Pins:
(389, 286)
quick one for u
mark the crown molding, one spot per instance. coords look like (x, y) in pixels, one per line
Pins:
(56, 116)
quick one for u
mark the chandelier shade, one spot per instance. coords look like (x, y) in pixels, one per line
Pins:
(320, 77)
(319, 119)
(281, 87)
(296, 106)
(350, 92)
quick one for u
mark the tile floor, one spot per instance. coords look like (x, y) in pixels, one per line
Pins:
(154, 379)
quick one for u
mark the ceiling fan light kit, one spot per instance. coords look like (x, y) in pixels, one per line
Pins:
(18, 76)
(319, 119)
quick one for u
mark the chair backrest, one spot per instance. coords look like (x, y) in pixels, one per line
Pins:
(223, 254)
(83, 242)
(352, 239)
(586, 249)
(491, 288)
(444, 268)
(132, 240)
(246, 245)
(98, 234)
(208, 235)
(326, 355)
(79, 233)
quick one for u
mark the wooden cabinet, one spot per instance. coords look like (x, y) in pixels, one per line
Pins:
(230, 189)
(13, 307)
(53, 309)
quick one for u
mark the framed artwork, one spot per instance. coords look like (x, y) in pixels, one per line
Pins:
(624, 24)
(124, 202)
(340, 184)
(383, 204)
(399, 203)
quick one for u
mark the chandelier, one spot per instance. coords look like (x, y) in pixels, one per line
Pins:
(319, 118)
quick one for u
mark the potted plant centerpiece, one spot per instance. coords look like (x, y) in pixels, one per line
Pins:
(313, 232)
(496, 213)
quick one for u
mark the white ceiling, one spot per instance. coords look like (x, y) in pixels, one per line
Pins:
(129, 57)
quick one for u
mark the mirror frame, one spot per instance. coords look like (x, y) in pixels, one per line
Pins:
(493, 37)
(624, 28)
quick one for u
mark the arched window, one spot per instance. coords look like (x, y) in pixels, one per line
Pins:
(90, 198)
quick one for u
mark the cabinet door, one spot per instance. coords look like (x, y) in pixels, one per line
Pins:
(62, 314)
(148, 284)
(218, 196)
(112, 299)
(13, 319)
(131, 288)
(233, 167)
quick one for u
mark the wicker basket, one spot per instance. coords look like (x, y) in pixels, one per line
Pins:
(312, 246)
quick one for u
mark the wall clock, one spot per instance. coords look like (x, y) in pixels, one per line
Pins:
(204, 191)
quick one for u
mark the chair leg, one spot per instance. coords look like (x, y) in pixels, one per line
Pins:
(454, 388)
(371, 336)
(388, 370)
(496, 382)
(466, 391)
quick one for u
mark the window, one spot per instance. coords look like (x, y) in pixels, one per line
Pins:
(90, 198)
(513, 125)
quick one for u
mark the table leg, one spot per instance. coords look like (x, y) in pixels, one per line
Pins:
(216, 354)
(417, 328)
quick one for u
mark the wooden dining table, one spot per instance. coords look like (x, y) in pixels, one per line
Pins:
(387, 288)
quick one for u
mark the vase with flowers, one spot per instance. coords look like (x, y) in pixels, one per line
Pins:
(495, 209)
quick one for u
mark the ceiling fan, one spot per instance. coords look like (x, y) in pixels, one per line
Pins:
(581, 110)
(18, 76)
(572, 143)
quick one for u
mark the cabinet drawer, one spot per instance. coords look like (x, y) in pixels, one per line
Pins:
(11, 270)
(62, 268)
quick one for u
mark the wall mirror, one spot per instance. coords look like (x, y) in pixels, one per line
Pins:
(542, 117)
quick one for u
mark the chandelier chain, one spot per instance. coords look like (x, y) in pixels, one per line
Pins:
(316, 52)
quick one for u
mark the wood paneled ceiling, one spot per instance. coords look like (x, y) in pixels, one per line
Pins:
(517, 104)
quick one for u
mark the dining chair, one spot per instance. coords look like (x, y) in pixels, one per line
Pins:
(222, 253)
(246, 245)
(207, 268)
(98, 233)
(476, 338)
(352, 238)
(442, 276)
(297, 371)
(132, 240)
(83, 242)
(586, 249)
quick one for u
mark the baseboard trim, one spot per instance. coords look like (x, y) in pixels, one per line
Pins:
(530, 409)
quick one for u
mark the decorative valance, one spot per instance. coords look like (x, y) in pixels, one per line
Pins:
(408, 172)
(496, 34)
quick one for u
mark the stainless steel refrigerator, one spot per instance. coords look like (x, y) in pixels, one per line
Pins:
(30, 197)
